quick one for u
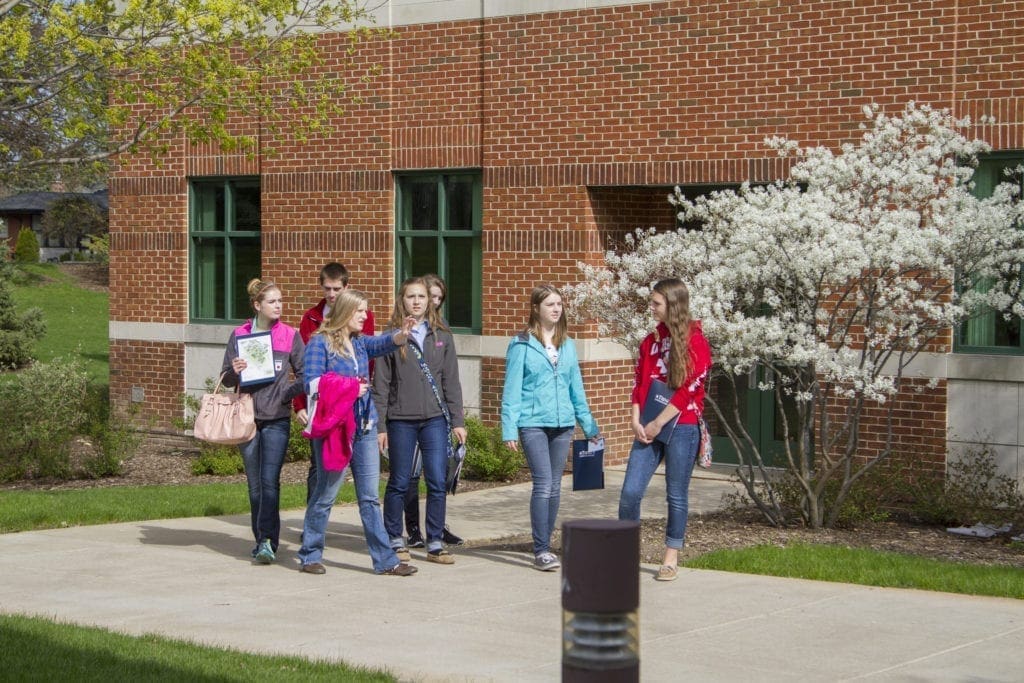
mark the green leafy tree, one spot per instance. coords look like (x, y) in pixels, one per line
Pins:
(18, 331)
(26, 248)
(169, 68)
(72, 218)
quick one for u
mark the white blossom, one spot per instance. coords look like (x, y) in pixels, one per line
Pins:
(847, 269)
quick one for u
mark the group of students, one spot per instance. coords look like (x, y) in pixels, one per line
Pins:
(398, 393)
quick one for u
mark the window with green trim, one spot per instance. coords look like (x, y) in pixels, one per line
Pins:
(991, 332)
(224, 247)
(439, 218)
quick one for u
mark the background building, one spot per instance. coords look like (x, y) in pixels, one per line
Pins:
(505, 141)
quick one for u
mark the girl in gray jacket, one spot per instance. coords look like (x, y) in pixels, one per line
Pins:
(419, 403)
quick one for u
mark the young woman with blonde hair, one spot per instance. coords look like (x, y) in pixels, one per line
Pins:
(339, 347)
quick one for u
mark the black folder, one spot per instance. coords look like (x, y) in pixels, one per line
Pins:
(658, 396)
(587, 465)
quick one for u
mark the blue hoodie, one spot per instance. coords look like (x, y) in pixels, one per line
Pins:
(539, 394)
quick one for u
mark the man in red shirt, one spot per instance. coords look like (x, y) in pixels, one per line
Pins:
(333, 280)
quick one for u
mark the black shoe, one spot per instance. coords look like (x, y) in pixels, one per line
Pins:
(415, 540)
(451, 539)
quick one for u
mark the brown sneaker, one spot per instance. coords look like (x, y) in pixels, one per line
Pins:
(441, 556)
(313, 568)
(666, 573)
(400, 569)
(403, 554)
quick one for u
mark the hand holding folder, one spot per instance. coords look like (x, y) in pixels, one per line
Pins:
(659, 396)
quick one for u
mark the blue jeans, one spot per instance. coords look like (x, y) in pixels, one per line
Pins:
(679, 454)
(365, 467)
(546, 449)
(263, 456)
(432, 436)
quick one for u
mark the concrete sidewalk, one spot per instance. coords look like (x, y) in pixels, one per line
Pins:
(489, 616)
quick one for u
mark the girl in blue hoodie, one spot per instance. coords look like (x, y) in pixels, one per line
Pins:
(542, 401)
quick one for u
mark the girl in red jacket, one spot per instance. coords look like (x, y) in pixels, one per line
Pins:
(677, 354)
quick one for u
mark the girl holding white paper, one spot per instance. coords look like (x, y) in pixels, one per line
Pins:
(678, 354)
(263, 456)
(541, 403)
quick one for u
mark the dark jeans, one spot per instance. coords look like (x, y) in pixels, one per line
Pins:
(263, 457)
(403, 435)
(412, 508)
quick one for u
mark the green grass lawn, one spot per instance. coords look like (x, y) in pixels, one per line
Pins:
(867, 568)
(76, 319)
(22, 510)
(41, 650)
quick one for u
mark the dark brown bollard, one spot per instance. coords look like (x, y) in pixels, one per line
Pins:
(600, 598)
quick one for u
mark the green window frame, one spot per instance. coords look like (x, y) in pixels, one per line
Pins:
(224, 247)
(991, 333)
(438, 229)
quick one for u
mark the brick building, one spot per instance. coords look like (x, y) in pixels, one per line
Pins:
(506, 141)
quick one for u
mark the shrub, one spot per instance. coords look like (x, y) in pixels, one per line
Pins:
(43, 406)
(298, 445)
(218, 459)
(487, 456)
(114, 439)
(870, 499)
(98, 246)
(26, 249)
(972, 492)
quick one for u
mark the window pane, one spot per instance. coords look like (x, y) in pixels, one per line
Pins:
(419, 256)
(247, 207)
(459, 193)
(721, 389)
(246, 267)
(990, 329)
(208, 288)
(460, 276)
(209, 210)
(791, 415)
(421, 210)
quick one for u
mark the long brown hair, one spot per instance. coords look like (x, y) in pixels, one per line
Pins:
(433, 316)
(335, 326)
(537, 297)
(678, 320)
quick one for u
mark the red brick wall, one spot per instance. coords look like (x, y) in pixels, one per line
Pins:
(580, 120)
(159, 368)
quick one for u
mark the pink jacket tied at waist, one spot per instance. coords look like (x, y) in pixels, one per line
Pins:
(334, 419)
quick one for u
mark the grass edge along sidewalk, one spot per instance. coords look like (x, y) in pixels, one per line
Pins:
(30, 510)
(33, 648)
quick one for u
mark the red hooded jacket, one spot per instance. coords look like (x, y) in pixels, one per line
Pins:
(652, 363)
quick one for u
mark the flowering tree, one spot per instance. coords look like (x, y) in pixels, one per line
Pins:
(829, 284)
(65, 61)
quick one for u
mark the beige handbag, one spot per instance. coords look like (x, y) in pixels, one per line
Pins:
(225, 418)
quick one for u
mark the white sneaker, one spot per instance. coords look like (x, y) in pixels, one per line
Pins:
(546, 562)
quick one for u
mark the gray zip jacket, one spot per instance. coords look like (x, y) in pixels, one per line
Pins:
(401, 390)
